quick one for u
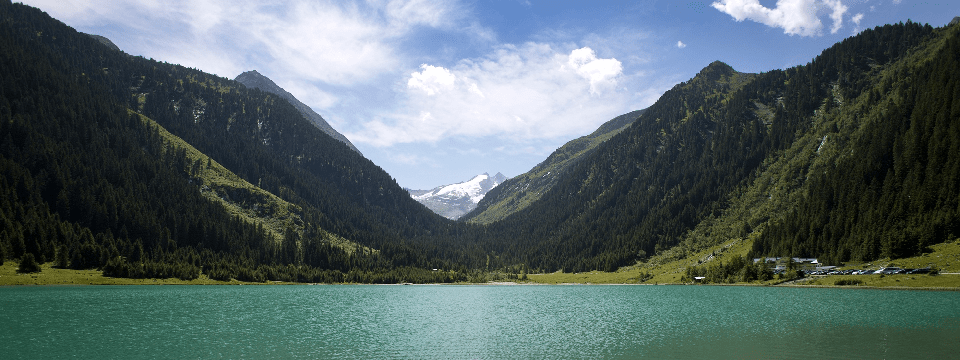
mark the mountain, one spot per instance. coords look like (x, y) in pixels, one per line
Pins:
(521, 191)
(452, 201)
(848, 158)
(144, 169)
(253, 79)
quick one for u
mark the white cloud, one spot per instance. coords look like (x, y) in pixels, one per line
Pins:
(324, 43)
(856, 21)
(795, 17)
(681, 45)
(406, 13)
(476, 90)
(309, 94)
(602, 73)
(432, 80)
(856, 18)
(338, 43)
(837, 10)
(517, 93)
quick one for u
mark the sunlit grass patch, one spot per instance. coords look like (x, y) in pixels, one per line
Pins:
(54, 276)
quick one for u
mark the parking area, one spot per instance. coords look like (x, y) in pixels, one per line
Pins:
(884, 271)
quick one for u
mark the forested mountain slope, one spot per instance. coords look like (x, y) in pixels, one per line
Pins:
(873, 176)
(519, 192)
(646, 185)
(83, 158)
(884, 99)
(884, 178)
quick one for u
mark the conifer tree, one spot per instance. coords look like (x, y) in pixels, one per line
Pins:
(62, 259)
(28, 264)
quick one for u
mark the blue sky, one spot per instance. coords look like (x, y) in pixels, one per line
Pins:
(437, 92)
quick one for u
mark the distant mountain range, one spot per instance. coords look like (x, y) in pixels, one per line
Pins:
(253, 79)
(454, 200)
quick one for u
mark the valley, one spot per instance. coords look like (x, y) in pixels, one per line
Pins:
(120, 169)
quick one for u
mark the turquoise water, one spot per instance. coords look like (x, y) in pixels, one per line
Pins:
(475, 322)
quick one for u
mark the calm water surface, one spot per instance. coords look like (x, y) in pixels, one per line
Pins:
(476, 322)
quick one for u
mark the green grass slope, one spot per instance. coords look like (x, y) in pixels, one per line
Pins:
(241, 198)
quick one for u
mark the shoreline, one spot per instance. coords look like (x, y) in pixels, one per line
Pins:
(847, 287)
(50, 276)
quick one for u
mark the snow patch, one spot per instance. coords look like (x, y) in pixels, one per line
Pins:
(474, 189)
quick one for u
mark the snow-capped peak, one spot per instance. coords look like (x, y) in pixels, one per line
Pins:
(474, 188)
(454, 200)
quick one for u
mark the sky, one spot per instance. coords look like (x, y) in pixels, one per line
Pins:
(436, 92)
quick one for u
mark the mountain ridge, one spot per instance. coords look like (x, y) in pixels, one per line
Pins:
(254, 79)
(520, 191)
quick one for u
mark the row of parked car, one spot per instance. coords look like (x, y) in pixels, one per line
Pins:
(885, 271)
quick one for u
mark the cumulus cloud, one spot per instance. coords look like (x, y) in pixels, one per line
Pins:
(602, 73)
(681, 45)
(432, 80)
(795, 17)
(526, 92)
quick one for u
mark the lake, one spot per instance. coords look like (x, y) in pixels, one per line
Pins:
(475, 322)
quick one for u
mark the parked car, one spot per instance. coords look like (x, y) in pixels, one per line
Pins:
(888, 271)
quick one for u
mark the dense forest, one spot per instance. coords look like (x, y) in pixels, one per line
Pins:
(144, 169)
(87, 183)
(897, 191)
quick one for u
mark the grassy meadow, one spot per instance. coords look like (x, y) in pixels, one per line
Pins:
(54, 276)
